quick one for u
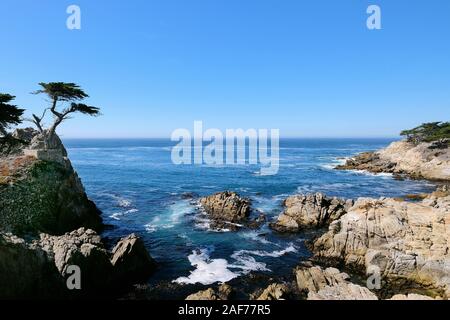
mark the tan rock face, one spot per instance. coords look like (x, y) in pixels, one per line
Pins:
(406, 242)
(329, 284)
(229, 210)
(275, 291)
(227, 206)
(310, 211)
(223, 292)
(411, 296)
(402, 157)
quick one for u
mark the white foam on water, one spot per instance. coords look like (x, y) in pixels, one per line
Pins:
(334, 163)
(274, 254)
(372, 174)
(207, 270)
(172, 217)
(253, 235)
(247, 263)
(117, 215)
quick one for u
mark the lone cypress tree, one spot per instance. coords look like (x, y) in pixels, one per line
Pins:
(65, 100)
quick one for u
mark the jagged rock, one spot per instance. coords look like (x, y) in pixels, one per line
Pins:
(229, 210)
(227, 206)
(205, 295)
(314, 278)
(224, 292)
(82, 248)
(402, 157)
(41, 268)
(26, 271)
(275, 291)
(407, 242)
(329, 284)
(131, 260)
(310, 211)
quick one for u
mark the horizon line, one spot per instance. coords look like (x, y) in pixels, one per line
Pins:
(286, 137)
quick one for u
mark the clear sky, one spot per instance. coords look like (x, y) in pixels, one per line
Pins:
(309, 68)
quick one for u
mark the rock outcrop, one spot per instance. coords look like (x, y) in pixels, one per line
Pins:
(43, 196)
(310, 211)
(228, 210)
(223, 292)
(329, 284)
(408, 244)
(275, 291)
(131, 260)
(405, 158)
(40, 269)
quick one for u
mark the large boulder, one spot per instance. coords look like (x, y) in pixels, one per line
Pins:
(310, 211)
(408, 244)
(228, 210)
(275, 291)
(84, 249)
(131, 260)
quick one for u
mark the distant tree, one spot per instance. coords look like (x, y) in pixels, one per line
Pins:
(64, 101)
(429, 132)
(10, 115)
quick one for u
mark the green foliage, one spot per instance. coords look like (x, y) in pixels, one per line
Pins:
(9, 114)
(62, 91)
(85, 109)
(71, 94)
(428, 132)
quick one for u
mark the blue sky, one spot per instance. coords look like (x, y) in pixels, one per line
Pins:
(309, 68)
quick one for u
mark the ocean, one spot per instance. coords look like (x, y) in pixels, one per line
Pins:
(139, 190)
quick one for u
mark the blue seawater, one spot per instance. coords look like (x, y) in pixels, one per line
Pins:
(139, 190)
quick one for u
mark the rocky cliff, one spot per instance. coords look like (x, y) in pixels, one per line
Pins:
(426, 160)
(46, 222)
(41, 192)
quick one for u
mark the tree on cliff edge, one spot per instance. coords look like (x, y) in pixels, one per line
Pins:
(64, 101)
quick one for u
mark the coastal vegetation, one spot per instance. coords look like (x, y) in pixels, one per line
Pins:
(429, 132)
(10, 115)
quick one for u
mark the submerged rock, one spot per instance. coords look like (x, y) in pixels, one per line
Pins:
(310, 211)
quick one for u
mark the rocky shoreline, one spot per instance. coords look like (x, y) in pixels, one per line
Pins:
(365, 249)
(403, 158)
